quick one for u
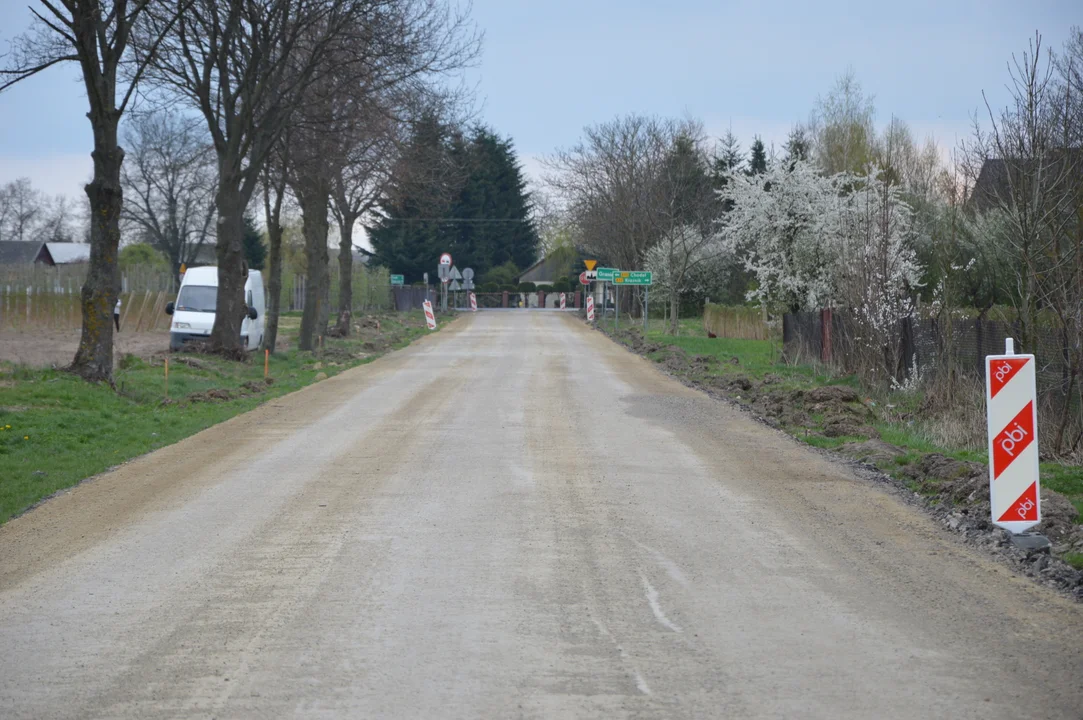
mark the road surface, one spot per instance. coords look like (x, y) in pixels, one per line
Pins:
(513, 518)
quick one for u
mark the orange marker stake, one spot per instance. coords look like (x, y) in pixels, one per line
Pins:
(266, 362)
(167, 378)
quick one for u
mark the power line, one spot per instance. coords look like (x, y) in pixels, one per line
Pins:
(456, 220)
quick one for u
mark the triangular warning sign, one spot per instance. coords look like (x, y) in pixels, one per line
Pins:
(1025, 508)
(590, 264)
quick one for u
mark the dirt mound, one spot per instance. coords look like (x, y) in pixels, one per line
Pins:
(1058, 516)
(832, 394)
(872, 451)
(213, 395)
(847, 427)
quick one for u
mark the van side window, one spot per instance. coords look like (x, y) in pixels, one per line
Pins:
(248, 299)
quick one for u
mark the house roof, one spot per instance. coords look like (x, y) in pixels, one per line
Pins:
(68, 253)
(17, 252)
(993, 188)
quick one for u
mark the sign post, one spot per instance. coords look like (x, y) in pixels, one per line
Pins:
(646, 310)
(562, 306)
(590, 308)
(1012, 411)
(473, 302)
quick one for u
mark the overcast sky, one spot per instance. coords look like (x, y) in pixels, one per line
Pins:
(552, 67)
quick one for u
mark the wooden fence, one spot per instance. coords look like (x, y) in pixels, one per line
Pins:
(745, 323)
(69, 278)
(29, 310)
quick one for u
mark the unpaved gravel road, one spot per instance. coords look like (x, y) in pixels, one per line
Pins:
(511, 518)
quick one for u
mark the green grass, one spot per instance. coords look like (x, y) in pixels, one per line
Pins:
(56, 430)
(1074, 559)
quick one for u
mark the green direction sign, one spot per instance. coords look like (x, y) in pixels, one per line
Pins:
(398, 280)
(606, 274)
(632, 277)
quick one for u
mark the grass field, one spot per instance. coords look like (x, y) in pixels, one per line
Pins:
(56, 430)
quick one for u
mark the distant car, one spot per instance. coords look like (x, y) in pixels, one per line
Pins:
(193, 312)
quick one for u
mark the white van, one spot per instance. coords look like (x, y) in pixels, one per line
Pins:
(193, 313)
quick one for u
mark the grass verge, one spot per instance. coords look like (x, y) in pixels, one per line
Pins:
(56, 430)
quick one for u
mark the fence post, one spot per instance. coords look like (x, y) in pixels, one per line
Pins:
(825, 336)
(504, 303)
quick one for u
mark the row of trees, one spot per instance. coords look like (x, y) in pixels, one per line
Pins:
(302, 98)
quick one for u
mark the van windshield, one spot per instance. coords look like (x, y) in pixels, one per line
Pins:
(198, 298)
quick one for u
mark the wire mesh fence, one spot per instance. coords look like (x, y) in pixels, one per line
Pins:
(949, 350)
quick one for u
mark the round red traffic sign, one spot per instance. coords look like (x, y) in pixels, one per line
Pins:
(445, 259)
(583, 279)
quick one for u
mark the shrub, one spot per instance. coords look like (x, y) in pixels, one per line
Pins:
(527, 287)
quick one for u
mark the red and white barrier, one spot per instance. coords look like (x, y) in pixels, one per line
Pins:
(562, 301)
(473, 302)
(590, 308)
(430, 317)
(1011, 405)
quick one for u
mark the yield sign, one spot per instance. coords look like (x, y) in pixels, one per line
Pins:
(455, 274)
(590, 264)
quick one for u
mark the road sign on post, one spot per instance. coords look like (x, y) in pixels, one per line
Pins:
(590, 308)
(445, 259)
(590, 264)
(1012, 409)
(430, 317)
(633, 277)
(606, 274)
(398, 280)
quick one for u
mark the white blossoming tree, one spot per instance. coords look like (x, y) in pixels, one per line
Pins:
(785, 224)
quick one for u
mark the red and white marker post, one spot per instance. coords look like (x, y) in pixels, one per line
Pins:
(590, 308)
(473, 302)
(563, 299)
(430, 317)
(1011, 405)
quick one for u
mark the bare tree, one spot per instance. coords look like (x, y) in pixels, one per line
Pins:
(21, 210)
(95, 34)
(628, 187)
(169, 180)
(1030, 201)
(609, 181)
(57, 219)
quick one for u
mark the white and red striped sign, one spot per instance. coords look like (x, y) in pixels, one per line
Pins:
(1011, 406)
(562, 301)
(590, 308)
(430, 317)
(473, 302)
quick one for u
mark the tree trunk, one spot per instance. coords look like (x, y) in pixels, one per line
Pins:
(232, 269)
(274, 280)
(314, 206)
(94, 358)
(345, 277)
